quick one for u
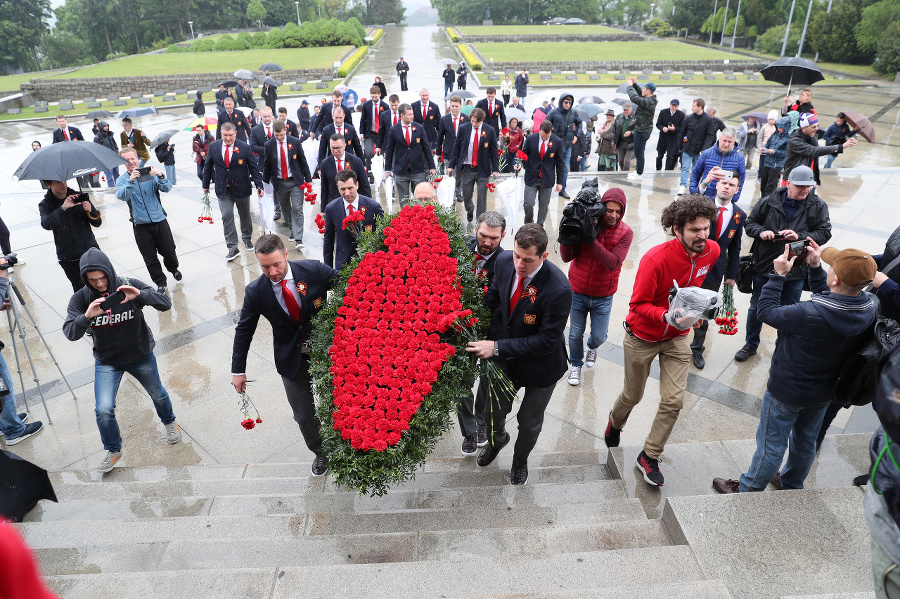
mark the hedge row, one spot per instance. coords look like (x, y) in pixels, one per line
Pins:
(469, 57)
(453, 37)
(311, 33)
(351, 62)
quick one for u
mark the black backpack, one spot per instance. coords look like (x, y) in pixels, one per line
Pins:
(582, 217)
(857, 380)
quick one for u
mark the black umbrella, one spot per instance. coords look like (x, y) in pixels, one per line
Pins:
(464, 94)
(270, 66)
(244, 74)
(229, 83)
(270, 81)
(620, 101)
(99, 114)
(788, 71)
(22, 484)
(61, 162)
(590, 100)
(136, 111)
(163, 137)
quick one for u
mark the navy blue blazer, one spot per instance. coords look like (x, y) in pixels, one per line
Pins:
(313, 280)
(328, 177)
(335, 233)
(258, 139)
(532, 339)
(486, 275)
(498, 121)
(446, 137)
(237, 119)
(549, 171)
(296, 160)
(431, 123)
(401, 159)
(726, 267)
(238, 176)
(488, 160)
(74, 133)
(325, 117)
(387, 121)
(351, 137)
(365, 120)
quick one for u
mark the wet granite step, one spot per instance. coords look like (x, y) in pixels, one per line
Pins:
(700, 589)
(463, 546)
(818, 535)
(289, 503)
(621, 571)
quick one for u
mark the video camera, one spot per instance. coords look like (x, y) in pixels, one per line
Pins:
(582, 218)
(11, 259)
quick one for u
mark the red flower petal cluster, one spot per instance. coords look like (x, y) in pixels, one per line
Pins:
(387, 352)
(248, 423)
(521, 155)
(355, 216)
(320, 222)
(308, 195)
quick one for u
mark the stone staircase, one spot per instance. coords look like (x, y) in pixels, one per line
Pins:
(575, 530)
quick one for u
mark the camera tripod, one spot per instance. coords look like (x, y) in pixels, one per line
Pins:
(17, 322)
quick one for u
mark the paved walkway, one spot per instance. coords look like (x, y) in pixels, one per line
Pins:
(195, 337)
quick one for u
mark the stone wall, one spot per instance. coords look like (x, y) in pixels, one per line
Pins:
(581, 37)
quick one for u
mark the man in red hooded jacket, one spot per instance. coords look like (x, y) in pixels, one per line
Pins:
(594, 276)
(683, 261)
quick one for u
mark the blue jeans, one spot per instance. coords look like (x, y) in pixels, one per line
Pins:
(599, 309)
(106, 385)
(10, 425)
(566, 159)
(448, 87)
(790, 294)
(830, 160)
(687, 163)
(111, 177)
(779, 426)
(170, 173)
(640, 143)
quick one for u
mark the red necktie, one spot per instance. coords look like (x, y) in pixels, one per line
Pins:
(408, 142)
(289, 301)
(375, 110)
(475, 149)
(395, 118)
(491, 110)
(285, 172)
(227, 156)
(543, 148)
(340, 165)
(66, 133)
(339, 130)
(268, 133)
(455, 119)
(517, 293)
(719, 221)
(425, 112)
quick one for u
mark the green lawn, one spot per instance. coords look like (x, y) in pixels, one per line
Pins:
(538, 30)
(606, 80)
(652, 50)
(12, 82)
(211, 62)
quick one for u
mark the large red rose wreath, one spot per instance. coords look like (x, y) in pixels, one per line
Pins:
(387, 376)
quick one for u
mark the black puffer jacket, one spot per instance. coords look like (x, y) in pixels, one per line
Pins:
(199, 108)
(697, 133)
(566, 124)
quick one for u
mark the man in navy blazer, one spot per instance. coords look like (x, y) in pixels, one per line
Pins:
(389, 118)
(341, 128)
(493, 109)
(325, 113)
(427, 113)
(66, 133)
(448, 127)
(544, 170)
(330, 166)
(340, 244)
(286, 169)
(288, 295)
(727, 231)
(370, 125)
(407, 154)
(470, 168)
(235, 167)
(529, 300)
(236, 118)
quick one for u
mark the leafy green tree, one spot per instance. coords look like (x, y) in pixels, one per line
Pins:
(610, 12)
(64, 49)
(741, 28)
(225, 43)
(690, 15)
(713, 24)
(888, 62)
(256, 12)
(275, 39)
(770, 41)
(22, 25)
(875, 18)
(279, 12)
(833, 39)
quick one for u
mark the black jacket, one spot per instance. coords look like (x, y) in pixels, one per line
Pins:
(431, 123)
(71, 228)
(669, 139)
(165, 155)
(303, 117)
(350, 136)
(237, 119)
(296, 159)
(401, 159)
(811, 219)
(339, 243)
(566, 124)
(805, 150)
(697, 134)
(199, 107)
(121, 335)
(549, 171)
(498, 120)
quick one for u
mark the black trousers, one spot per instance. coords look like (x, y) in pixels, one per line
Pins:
(153, 239)
(770, 179)
(470, 411)
(697, 346)
(72, 269)
(670, 151)
(300, 396)
(403, 87)
(530, 417)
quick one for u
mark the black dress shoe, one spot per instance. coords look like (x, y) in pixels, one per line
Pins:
(319, 465)
(563, 194)
(519, 475)
(481, 435)
(490, 452)
(177, 275)
(745, 352)
(699, 362)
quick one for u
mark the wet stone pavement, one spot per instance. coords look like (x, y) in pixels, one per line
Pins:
(195, 337)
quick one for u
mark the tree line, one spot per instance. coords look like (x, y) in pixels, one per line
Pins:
(88, 31)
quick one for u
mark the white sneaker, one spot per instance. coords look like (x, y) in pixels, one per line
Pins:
(575, 376)
(300, 246)
(634, 177)
(681, 190)
(591, 358)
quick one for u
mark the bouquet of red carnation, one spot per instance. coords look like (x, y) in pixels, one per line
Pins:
(206, 211)
(492, 183)
(520, 158)
(320, 222)
(246, 405)
(308, 195)
(353, 221)
(728, 323)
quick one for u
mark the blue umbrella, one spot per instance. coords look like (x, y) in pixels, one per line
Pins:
(351, 98)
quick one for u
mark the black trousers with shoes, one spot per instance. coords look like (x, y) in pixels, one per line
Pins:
(153, 239)
(530, 417)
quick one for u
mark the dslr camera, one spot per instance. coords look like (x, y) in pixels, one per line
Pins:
(11, 259)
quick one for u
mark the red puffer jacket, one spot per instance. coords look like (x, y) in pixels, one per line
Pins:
(596, 266)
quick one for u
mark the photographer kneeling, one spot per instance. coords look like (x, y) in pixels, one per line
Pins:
(12, 425)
